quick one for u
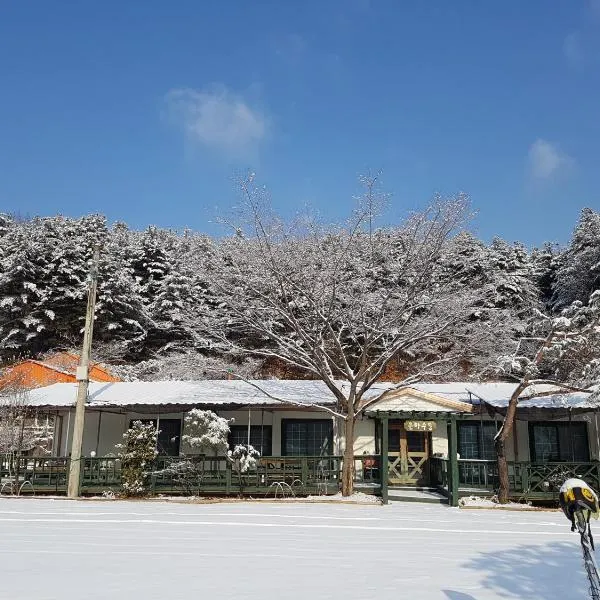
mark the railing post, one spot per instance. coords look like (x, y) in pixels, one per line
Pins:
(81, 474)
(384, 460)
(524, 477)
(453, 462)
(304, 471)
(227, 478)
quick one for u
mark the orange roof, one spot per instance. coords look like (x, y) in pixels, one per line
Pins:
(57, 368)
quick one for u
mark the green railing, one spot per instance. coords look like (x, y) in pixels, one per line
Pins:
(530, 481)
(25, 474)
(273, 475)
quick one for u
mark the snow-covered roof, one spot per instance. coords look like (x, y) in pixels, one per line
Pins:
(498, 394)
(218, 392)
(500, 390)
(451, 396)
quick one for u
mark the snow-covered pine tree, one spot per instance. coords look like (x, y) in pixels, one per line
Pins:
(68, 244)
(137, 453)
(544, 265)
(150, 260)
(23, 314)
(121, 317)
(578, 270)
(206, 433)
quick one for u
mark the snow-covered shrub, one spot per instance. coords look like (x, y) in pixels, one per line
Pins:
(245, 458)
(137, 454)
(206, 432)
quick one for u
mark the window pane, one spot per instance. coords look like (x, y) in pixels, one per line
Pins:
(169, 436)
(260, 437)
(545, 443)
(468, 440)
(307, 438)
(581, 445)
(561, 441)
(476, 440)
(488, 448)
(415, 441)
(573, 442)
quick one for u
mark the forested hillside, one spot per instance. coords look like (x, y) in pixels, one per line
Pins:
(157, 296)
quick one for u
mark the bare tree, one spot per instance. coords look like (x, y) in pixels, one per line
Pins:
(21, 430)
(339, 302)
(558, 356)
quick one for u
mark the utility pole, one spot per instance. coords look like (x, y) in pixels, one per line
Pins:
(74, 487)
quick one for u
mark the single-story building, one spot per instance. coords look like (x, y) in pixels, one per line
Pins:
(411, 430)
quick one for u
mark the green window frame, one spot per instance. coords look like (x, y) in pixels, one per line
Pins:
(559, 441)
(168, 441)
(306, 437)
(476, 440)
(261, 437)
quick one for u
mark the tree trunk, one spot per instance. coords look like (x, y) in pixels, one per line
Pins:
(502, 472)
(500, 443)
(348, 459)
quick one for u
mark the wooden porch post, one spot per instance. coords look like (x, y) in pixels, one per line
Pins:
(384, 460)
(453, 462)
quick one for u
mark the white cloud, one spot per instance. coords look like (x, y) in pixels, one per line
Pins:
(547, 160)
(218, 119)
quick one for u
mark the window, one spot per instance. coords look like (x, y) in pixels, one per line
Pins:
(306, 438)
(169, 436)
(559, 442)
(476, 440)
(260, 437)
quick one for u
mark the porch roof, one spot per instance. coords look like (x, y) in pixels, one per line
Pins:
(419, 401)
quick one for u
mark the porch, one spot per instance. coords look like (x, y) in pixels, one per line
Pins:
(285, 476)
(274, 476)
(529, 481)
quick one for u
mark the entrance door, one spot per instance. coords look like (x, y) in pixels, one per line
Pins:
(409, 453)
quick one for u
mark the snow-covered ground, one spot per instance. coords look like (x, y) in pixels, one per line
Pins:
(56, 549)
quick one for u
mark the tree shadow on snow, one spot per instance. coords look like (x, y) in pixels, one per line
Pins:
(452, 595)
(532, 572)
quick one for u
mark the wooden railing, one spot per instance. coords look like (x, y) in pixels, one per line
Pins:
(526, 480)
(273, 475)
(281, 475)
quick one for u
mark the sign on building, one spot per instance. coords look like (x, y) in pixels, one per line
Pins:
(419, 425)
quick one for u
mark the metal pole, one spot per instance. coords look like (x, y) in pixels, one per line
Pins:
(453, 462)
(74, 487)
(249, 421)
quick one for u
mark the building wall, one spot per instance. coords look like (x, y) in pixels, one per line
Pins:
(364, 437)
(112, 426)
(439, 439)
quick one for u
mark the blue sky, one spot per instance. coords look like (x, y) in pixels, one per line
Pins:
(145, 110)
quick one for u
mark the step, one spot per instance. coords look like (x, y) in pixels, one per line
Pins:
(404, 494)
